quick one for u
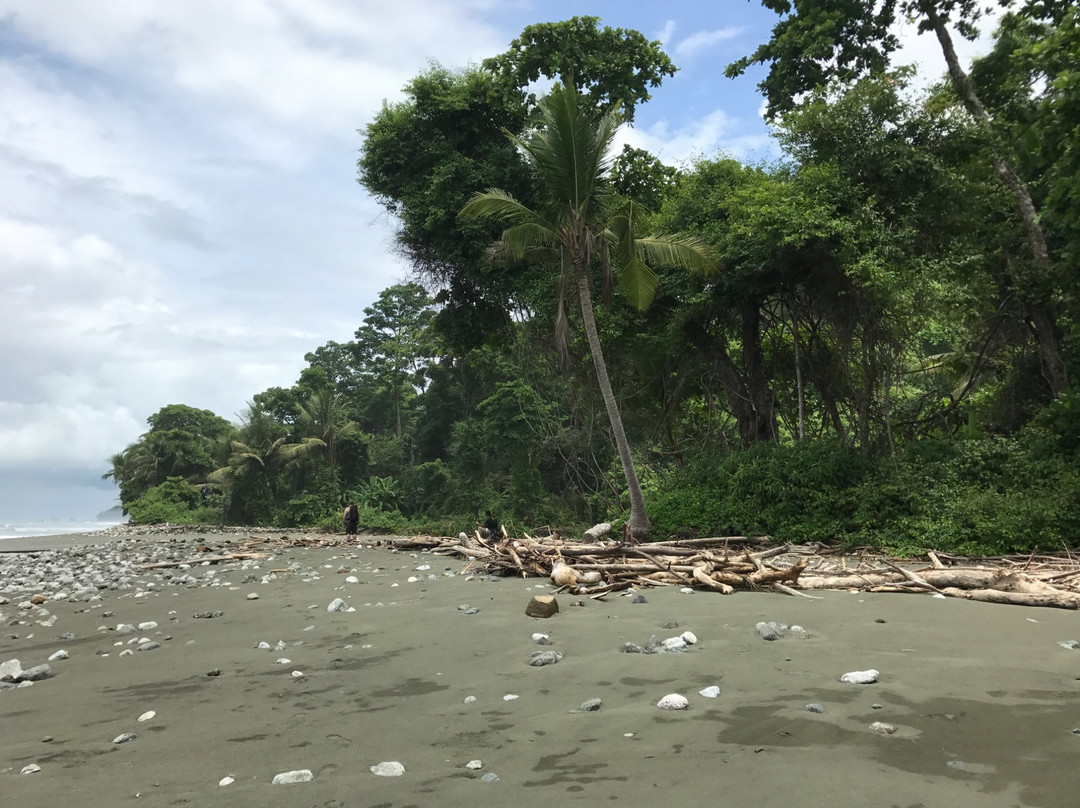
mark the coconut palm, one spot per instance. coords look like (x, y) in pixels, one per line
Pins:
(580, 221)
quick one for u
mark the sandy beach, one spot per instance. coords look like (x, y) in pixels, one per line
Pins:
(982, 697)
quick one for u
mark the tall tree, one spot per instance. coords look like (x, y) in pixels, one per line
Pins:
(612, 66)
(580, 220)
(818, 42)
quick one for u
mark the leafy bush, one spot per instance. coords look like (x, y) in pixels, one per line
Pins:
(176, 501)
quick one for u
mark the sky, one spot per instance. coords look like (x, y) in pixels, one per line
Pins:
(180, 220)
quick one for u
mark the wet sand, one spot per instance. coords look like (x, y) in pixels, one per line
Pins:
(983, 698)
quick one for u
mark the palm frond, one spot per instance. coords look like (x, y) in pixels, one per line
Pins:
(501, 206)
(529, 239)
(688, 252)
(638, 283)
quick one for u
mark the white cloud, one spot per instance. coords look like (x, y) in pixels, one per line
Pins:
(715, 133)
(703, 40)
(666, 33)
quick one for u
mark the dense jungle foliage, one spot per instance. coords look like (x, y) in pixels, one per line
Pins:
(878, 346)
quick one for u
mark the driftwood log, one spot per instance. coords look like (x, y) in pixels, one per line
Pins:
(728, 563)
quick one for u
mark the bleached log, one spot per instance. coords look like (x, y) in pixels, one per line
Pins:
(1058, 600)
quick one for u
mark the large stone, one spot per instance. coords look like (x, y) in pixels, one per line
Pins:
(542, 606)
(36, 674)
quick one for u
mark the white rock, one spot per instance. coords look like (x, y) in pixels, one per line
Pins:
(470, 699)
(263, 646)
(412, 579)
(710, 692)
(389, 768)
(686, 590)
(227, 780)
(673, 701)
(538, 637)
(10, 670)
(689, 637)
(30, 769)
(61, 654)
(881, 728)
(255, 596)
(337, 605)
(860, 677)
(124, 737)
(283, 661)
(149, 625)
(510, 696)
(147, 715)
(352, 579)
(298, 776)
(474, 764)
(297, 674)
(423, 568)
(674, 644)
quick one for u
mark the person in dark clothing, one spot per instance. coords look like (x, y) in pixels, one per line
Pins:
(492, 525)
(351, 519)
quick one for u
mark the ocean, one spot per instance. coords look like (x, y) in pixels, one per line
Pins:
(54, 527)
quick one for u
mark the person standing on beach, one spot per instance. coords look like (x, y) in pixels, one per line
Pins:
(351, 518)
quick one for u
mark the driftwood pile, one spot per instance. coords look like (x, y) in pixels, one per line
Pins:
(726, 564)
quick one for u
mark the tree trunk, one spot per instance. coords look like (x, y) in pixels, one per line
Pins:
(639, 519)
(738, 396)
(757, 380)
(1041, 320)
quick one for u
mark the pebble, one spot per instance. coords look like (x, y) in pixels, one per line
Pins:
(673, 701)
(639, 598)
(815, 708)
(389, 768)
(686, 591)
(147, 715)
(255, 596)
(337, 605)
(61, 654)
(227, 780)
(511, 697)
(881, 728)
(297, 776)
(1070, 644)
(490, 777)
(474, 764)
(30, 769)
(214, 672)
(860, 677)
(124, 737)
(710, 692)
(590, 705)
(541, 639)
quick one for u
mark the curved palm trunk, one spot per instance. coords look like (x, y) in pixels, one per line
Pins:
(1042, 321)
(639, 519)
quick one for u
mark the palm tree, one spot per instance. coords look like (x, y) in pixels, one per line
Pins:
(578, 221)
(326, 417)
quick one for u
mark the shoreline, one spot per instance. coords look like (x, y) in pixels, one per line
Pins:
(980, 696)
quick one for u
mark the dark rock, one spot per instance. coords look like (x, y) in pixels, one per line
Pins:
(542, 606)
